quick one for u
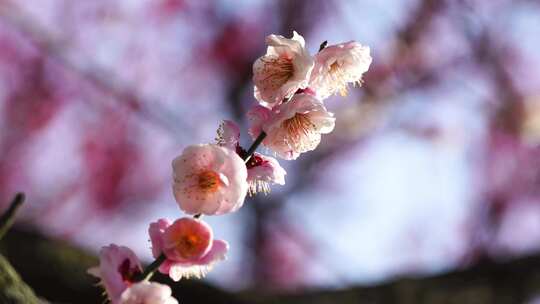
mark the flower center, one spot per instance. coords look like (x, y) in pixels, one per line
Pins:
(301, 133)
(278, 70)
(339, 78)
(128, 271)
(299, 125)
(191, 246)
(187, 239)
(209, 181)
(334, 67)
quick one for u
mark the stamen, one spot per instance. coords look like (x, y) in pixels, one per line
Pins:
(208, 181)
(257, 186)
(279, 71)
(190, 245)
(128, 271)
(300, 133)
(339, 78)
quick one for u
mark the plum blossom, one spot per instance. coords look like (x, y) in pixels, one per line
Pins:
(209, 179)
(338, 65)
(285, 68)
(257, 116)
(262, 170)
(294, 127)
(148, 293)
(187, 239)
(213, 179)
(188, 245)
(118, 267)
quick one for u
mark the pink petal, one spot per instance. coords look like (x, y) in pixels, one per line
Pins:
(178, 231)
(111, 258)
(257, 116)
(198, 267)
(165, 267)
(217, 253)
(156, 230)
(269, 170)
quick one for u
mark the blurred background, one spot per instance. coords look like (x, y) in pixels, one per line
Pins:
(433, 168)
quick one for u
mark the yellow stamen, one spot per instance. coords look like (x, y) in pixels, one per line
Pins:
(339, 77)
(299, 132)
(278, 70)
(208, 181)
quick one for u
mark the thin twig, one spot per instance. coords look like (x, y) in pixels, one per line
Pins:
(150, 269)
(254, 146)
(7, 219)
(323, 45)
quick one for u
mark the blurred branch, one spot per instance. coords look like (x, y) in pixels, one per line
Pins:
(380, 78)
(7, 219)
(494, 57)
(11, 15)
(490, 283)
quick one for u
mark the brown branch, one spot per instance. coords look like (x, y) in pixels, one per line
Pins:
(8, 217)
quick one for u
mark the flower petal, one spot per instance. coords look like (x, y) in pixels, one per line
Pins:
(156, 231)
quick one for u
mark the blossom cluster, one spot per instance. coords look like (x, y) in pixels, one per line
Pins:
(290, 86)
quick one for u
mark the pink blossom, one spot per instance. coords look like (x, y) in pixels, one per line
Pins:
(262, 171)
(295, 127)
(257, 116)
(148, 293)
(209, 179)
(187, 239)
(118, 267)
(285, 68)
(188, 245)
(156, 231)
(338, 65)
